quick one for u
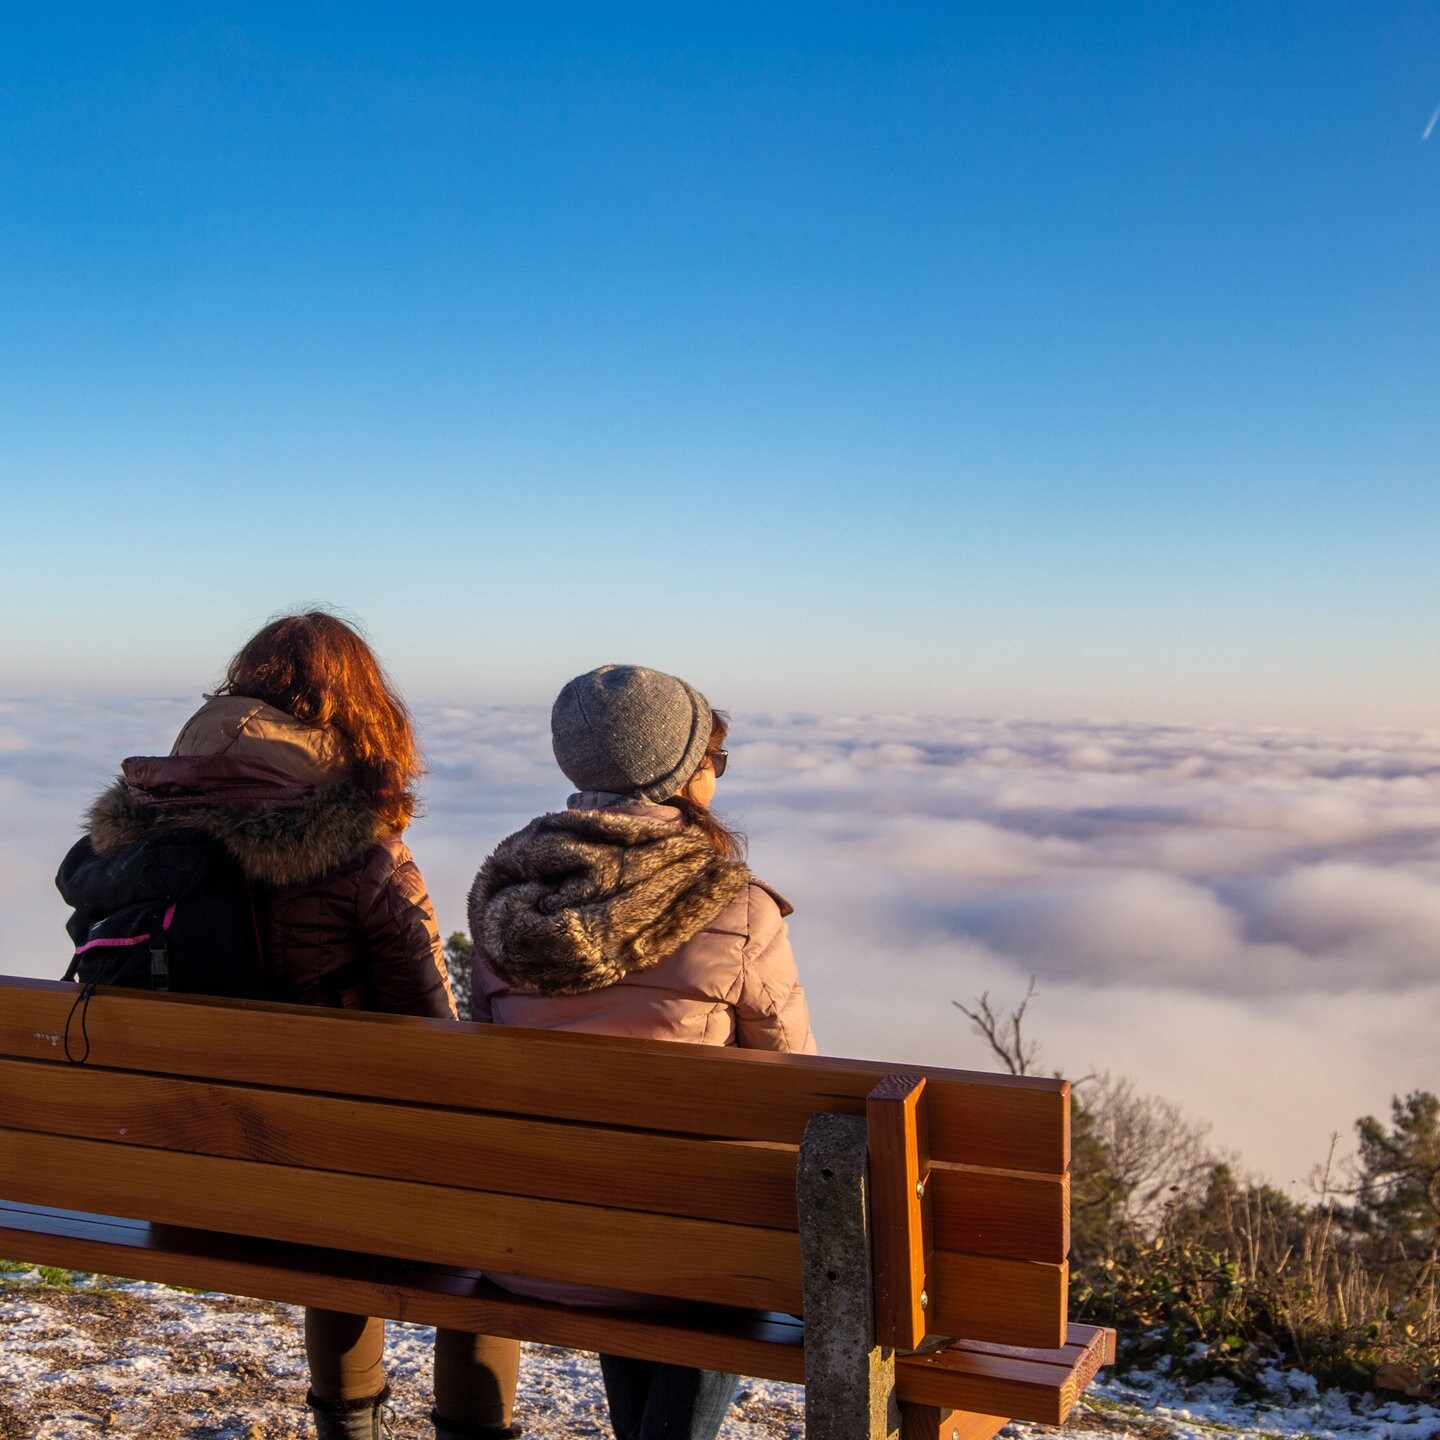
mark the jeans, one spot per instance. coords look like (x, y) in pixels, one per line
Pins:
(651, 1401)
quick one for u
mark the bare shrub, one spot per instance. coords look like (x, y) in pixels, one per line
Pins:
(1222, 1274)
(1002, 1032)
(1153, 1152)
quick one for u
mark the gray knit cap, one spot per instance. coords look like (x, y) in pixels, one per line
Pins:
(630, 731)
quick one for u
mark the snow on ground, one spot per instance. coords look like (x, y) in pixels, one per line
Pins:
(149, 1363)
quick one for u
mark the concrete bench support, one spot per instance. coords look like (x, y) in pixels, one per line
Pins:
(849, 1379)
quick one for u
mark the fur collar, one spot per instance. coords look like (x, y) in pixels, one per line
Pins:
(578, 900)
(290, 842)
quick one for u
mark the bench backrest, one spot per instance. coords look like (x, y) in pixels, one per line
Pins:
(667, 1169)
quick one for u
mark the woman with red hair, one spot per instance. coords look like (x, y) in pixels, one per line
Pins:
(287, 793)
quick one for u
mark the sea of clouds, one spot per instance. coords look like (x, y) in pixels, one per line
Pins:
(1245, 921)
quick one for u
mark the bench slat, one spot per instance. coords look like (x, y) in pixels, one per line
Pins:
(1079, 1340)
(1009, 1302)
(725, 1180)
(994, 1212)
(938, 1422)
(589, 1244)
(707, 1336)
(1004, 1301)
(994, 1380)
(996, 1121)
(768, 1348)
(1016, 1216)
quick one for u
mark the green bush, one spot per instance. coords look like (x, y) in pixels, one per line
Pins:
(1235, 1276)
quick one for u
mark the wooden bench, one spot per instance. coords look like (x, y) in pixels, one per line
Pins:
(375, 1164)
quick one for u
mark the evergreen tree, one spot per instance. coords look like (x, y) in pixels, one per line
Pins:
(457, 962)
(1399, 1191)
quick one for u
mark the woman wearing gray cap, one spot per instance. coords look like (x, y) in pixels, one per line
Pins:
(677, 941)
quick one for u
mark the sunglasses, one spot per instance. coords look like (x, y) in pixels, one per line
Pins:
(719, 759)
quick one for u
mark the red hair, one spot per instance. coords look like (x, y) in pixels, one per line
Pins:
(726, 842)
(317, 668)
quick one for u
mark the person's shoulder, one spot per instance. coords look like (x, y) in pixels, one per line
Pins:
(758, 912)
(384, 878)
(767, 900)
(386, 855)
(383, 862)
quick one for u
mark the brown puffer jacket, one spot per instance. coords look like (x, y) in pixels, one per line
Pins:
(343, 914)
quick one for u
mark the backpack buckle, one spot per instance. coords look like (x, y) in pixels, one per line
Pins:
(159, 962)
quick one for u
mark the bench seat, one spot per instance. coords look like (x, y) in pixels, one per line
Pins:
(378, 1164)
(1039, 1385)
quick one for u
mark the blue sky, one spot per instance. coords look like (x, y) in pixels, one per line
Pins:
(1010, 359)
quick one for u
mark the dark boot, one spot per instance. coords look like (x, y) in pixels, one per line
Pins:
(367, 1419)
(455, 1430)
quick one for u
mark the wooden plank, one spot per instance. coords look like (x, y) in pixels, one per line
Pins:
(998, 1387)
(1080, 1340)
(998, 1212)
(996, 1121)
(733, 1181)
(1009, 1302)
(994, 1379)
(710, 1337)
(934, 1422)
(963, 1425)
(902, 1231)
(1013, 1215)
(999, 1300)
(765, 1347)
(588, 1244)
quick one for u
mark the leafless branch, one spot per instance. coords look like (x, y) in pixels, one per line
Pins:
(1002, 1033)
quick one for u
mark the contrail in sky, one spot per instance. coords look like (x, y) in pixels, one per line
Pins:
(1431, 125)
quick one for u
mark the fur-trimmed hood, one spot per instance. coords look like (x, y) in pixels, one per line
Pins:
(340, 911)
(579, 899)
(239, 727)
(279, 831)
(274, 791)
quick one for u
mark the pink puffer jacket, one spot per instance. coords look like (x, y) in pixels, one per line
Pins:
(617, 918)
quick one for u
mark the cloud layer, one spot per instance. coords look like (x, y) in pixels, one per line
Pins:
(1246, 921)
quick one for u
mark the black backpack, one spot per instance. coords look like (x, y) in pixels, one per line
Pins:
(170, 911)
